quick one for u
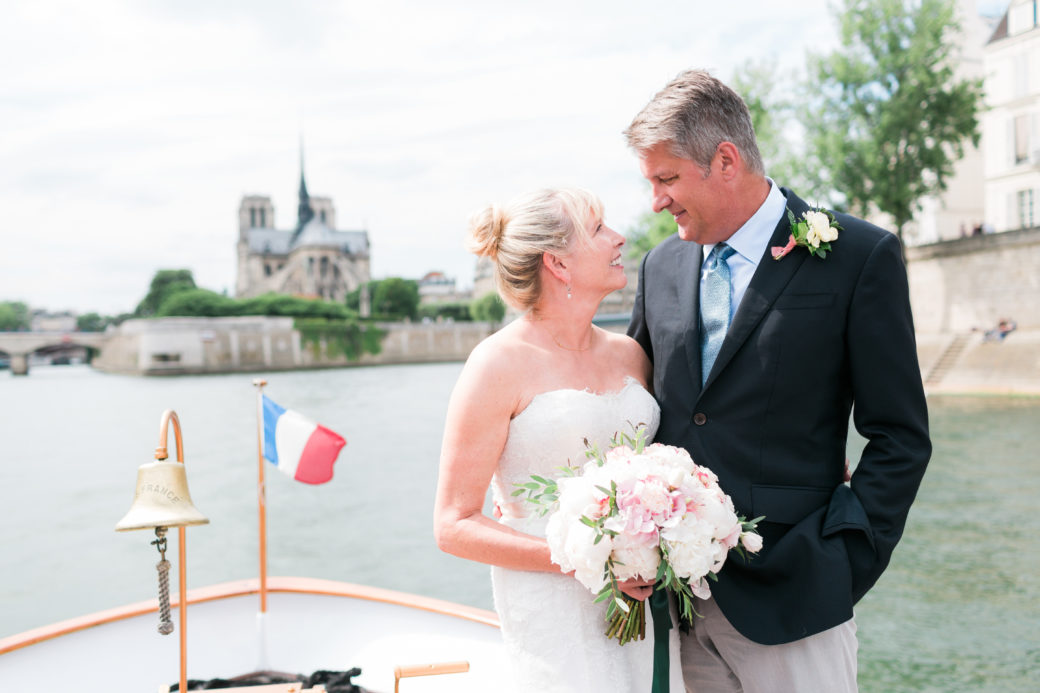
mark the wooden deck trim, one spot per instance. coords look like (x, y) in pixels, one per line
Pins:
(238, 588)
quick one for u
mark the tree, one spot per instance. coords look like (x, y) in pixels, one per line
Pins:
(14, 316)
(92, 322)
(458, 311)
(777, 121)
(165, 283)
(488, 308)
(395, 298)
(197, 302)
(888, 120)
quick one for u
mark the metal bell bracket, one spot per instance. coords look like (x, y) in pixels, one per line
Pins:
(163, 566)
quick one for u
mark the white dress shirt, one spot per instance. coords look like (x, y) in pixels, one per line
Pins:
(749, 242)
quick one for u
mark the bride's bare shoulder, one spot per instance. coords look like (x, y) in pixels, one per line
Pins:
(502, 357)
(628, 355)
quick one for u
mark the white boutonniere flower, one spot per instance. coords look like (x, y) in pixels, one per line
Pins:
(815, 231)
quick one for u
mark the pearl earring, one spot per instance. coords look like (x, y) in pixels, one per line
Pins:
(568, 292)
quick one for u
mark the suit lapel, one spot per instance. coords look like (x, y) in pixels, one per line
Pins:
(769, 280)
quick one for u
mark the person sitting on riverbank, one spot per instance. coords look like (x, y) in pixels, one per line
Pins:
(1005, 326)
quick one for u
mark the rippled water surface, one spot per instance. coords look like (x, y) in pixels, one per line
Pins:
(958, 610)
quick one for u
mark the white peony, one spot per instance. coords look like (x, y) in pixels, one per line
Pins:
(635, 558)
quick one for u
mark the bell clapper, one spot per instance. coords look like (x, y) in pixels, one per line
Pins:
(163, 566)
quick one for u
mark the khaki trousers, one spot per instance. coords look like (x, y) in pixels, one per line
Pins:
(718, 659)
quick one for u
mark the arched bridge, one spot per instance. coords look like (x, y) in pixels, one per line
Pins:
(19, 345)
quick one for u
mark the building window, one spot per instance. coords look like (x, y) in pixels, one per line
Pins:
(263, 218)
(252, 217)
(1021, 63)
(267, 270)
(1021, 17)
(1025, 208)
(323, 219)
(1021, 138)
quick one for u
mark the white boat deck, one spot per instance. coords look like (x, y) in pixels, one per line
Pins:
(310, 625)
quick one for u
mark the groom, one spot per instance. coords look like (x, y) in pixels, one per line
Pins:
(758, 364)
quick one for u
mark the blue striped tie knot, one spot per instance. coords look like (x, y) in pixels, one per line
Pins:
(715, 307)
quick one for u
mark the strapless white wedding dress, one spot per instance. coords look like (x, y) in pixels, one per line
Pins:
(552, 630)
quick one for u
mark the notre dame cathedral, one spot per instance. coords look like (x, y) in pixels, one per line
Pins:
(312, 260)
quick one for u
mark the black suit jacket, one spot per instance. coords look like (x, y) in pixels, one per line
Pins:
(812, 341)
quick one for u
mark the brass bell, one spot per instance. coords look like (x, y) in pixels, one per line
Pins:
(161, 499)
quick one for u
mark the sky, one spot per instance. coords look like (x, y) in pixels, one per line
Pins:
(131, 129)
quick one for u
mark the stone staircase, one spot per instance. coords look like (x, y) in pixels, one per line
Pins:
(948, 358)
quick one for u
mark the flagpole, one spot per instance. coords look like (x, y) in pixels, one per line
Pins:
(261, 497)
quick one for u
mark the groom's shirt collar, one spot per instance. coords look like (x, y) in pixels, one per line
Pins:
(751, 239)
(750, 242)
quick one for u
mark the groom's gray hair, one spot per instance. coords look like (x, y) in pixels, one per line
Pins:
(693, 114)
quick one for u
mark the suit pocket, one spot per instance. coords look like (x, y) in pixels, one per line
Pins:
(804, 301)
(787, 505)
(845, 511)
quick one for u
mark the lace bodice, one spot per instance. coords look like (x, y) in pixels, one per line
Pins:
(551, 432)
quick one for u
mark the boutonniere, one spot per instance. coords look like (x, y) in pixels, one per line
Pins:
(815, 231)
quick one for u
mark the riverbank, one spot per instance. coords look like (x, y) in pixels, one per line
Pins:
(961, 362)
(197, 346)
(966, 363)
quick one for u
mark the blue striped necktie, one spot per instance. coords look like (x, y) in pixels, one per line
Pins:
(714, 307)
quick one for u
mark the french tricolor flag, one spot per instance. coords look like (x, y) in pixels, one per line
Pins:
(299, 447)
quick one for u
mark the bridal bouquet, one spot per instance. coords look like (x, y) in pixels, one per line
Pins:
(640, 511)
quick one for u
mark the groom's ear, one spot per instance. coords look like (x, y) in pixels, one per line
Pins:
(557, 266)
(728, 159)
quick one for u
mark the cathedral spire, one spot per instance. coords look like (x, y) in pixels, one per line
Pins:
(304, 210)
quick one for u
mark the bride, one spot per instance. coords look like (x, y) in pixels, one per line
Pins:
(526, 401)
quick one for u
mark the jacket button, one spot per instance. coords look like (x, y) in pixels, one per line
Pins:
(700, 419)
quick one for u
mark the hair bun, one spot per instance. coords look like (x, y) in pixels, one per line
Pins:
(486, 229)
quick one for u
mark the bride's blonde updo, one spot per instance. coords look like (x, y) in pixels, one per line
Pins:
(516, 236)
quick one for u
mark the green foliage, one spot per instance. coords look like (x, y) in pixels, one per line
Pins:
(390, 299)
(353, 299)
(339, 337)
(293, 306)
(650, 230)
(92, 322)
(206, 303)
(197, 302)
(14, 316)
(395, 298)
(448, 310)
(888, 120)
(488, 308)
(165, 283)
(776, 117)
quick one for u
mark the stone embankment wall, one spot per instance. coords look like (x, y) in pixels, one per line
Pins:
(174, 346)
(974, 282)
(960, 289)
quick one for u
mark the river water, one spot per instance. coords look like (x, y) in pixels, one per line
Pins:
(958, 610)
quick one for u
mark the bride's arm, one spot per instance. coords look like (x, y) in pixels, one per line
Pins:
(484, 400)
